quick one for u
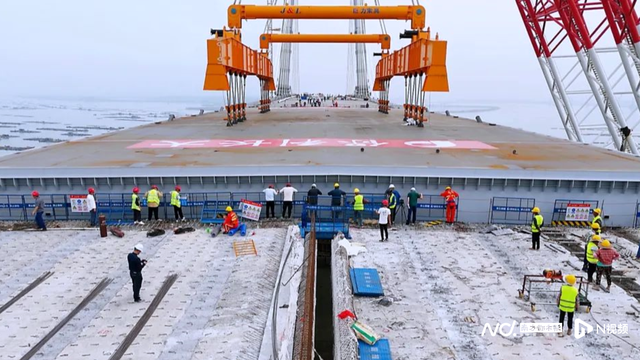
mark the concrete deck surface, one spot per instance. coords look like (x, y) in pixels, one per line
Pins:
(217, 309)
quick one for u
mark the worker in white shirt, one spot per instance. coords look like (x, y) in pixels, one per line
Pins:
(287, 203)
(270, 197)
(91, 204)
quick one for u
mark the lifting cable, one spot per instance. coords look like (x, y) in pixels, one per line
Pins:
(236, 98)
(414, 99)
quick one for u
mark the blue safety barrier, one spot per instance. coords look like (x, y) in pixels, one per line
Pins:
(560, 208)
(13, 208)
(213, 207)
(329, 220)
(115, 207)
(381, 350)
(511, 211)
(637, 217)
(366, 282)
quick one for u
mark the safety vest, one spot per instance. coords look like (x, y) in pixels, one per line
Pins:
(537, 219)
(392, 201)
(597, 220)
(152, 196)
(175, 198)
(358, 202)
(590, 256)
(134, 202)
(568, 295)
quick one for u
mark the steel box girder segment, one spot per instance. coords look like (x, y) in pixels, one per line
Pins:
(422, 56)
(383, 39)
(572, 15)
(531, 17)
(228, 55)
(417, 13)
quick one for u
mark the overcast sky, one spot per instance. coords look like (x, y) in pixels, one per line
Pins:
(158, 48)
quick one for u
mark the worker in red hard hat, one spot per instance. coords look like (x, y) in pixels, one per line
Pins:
(38, 211)
(450, 197)
(230, 221)
(177, 204)
(384, 219)
(153, 197)
(91, 204)
(135, 206)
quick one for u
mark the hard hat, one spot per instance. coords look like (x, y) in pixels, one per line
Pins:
(392, 186)
(606, 244)
(595, 226)
(448, 188)
(597, 211)
(413, 189)
(139, 247)
(270, 186)
(35, 194)
(535, 210)
(154, 187)
(92, 191)
(356, 190)
(178, 188)
(229, 209)
(313, 186)
(288, 184)
(385, 202)
(596, 238)
(570, 279)
(336, 185)
(136, 190)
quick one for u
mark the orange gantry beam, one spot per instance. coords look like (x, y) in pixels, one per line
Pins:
(226, 54)
(415, 13)
(384, 40)
(421, 57)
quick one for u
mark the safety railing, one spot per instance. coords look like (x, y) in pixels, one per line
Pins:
(511, 211)
(12, 208)
(636, 218)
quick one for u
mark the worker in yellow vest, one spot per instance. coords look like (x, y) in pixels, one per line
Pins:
(177, 205)
(358, 206)
(153, 202)
(568, 302)
(135, 206)
(536, 228)
(597, 220)
(592, 247)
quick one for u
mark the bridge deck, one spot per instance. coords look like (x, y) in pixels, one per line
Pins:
(286, 141)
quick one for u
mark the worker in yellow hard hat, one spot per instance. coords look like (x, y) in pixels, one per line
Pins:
(336, 199)
(595, 228)
(606, 256)
(597, 220)
(590, 256)
(568, 302)
(536, 228)
(358, 206)
(230, 221)
(450, 197)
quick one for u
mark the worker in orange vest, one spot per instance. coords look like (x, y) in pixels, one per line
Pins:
(450, 197)
(230, 221)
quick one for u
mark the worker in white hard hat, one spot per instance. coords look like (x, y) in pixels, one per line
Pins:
(135, 270)
(312, 195)
(394, 199)
(412, 205)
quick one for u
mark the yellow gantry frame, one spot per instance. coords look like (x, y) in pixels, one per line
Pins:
(384, 40)
(416, 14)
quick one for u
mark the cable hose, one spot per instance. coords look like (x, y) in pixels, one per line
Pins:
(628, 343)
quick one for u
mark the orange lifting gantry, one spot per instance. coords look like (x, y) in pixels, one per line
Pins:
(384, 39)
(416, 14)
(422, 63)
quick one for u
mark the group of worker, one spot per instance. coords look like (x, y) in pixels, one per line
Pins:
(599, 256)
(40, 205)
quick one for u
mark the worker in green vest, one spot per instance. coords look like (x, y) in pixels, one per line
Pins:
(358, 206)
(568, 302)
(592, 247)
(177, 205)
(597, 220)
(536, 228)
(153, 202)
(135, 206)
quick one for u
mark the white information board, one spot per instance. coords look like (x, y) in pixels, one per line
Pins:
(79, 203)
(578, 212)
(250, 210)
